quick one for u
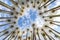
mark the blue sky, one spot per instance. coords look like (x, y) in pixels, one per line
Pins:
(32, 17)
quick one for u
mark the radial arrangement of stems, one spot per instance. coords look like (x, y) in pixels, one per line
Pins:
(46, 32)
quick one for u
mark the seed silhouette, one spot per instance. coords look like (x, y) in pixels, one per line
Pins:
(29, 20)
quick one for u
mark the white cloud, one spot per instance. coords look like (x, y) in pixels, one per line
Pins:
(57, 2)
